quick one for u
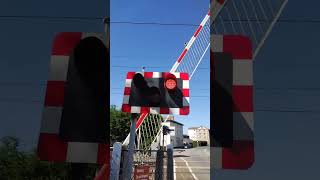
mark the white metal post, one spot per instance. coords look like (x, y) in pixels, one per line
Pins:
(115, 161)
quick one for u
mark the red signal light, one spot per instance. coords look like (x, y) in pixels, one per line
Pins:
(170, 82)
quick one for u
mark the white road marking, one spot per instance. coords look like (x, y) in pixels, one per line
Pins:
(194, 167)
(196, 161)
(194, 176)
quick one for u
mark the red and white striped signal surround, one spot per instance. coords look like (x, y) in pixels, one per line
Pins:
(126, 107)
(241, 154)
(50, 146)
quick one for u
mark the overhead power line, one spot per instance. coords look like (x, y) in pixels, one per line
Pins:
(279, 89)
(50, 17)
(79, 18)
(37, 101)
(267, 89)
(281, 20)
(87, 18)
(288, 111)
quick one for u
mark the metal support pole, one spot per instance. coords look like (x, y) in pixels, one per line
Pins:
(139, 138)
(129, 163)
(159, 165)
(170, 162)
(162, 141)
(115, 161)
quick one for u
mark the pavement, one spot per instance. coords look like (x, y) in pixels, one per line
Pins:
(192, 164)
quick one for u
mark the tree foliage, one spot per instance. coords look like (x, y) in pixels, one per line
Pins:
(15, 164)
(119, 125)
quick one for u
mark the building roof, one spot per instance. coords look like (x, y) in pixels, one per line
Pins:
(170, 117)
(173, 121)
(201, 127)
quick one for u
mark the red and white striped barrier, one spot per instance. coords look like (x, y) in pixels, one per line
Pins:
(50, 146)
(180, 58)
(126, 107)
(191, 41)
(241, 155)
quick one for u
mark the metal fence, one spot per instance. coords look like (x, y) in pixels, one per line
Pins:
(153, 163)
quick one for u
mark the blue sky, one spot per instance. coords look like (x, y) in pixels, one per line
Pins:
(25, 55)
(285, 73)
(157, 48)
(26, 47)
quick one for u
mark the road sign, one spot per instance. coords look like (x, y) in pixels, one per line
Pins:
(156, 93)
(74, 122)
(141, 172)
(232, 99)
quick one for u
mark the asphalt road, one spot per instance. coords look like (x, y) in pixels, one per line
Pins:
(192, 164)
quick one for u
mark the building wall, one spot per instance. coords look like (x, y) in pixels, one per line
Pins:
(192, 134)
(178, 135)
(199, 134)
(176, 138)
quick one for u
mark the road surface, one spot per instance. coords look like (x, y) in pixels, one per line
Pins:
(192, 164)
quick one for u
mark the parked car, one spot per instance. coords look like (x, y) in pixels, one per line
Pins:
(187, 145)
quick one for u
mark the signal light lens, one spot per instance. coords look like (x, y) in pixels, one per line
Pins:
(171, 84)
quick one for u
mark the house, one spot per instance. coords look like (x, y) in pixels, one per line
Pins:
(176, 136)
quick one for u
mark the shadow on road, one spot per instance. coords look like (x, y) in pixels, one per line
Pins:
(180, 156)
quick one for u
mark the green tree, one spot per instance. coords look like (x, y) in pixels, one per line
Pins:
(16, 164)
(119, 125)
